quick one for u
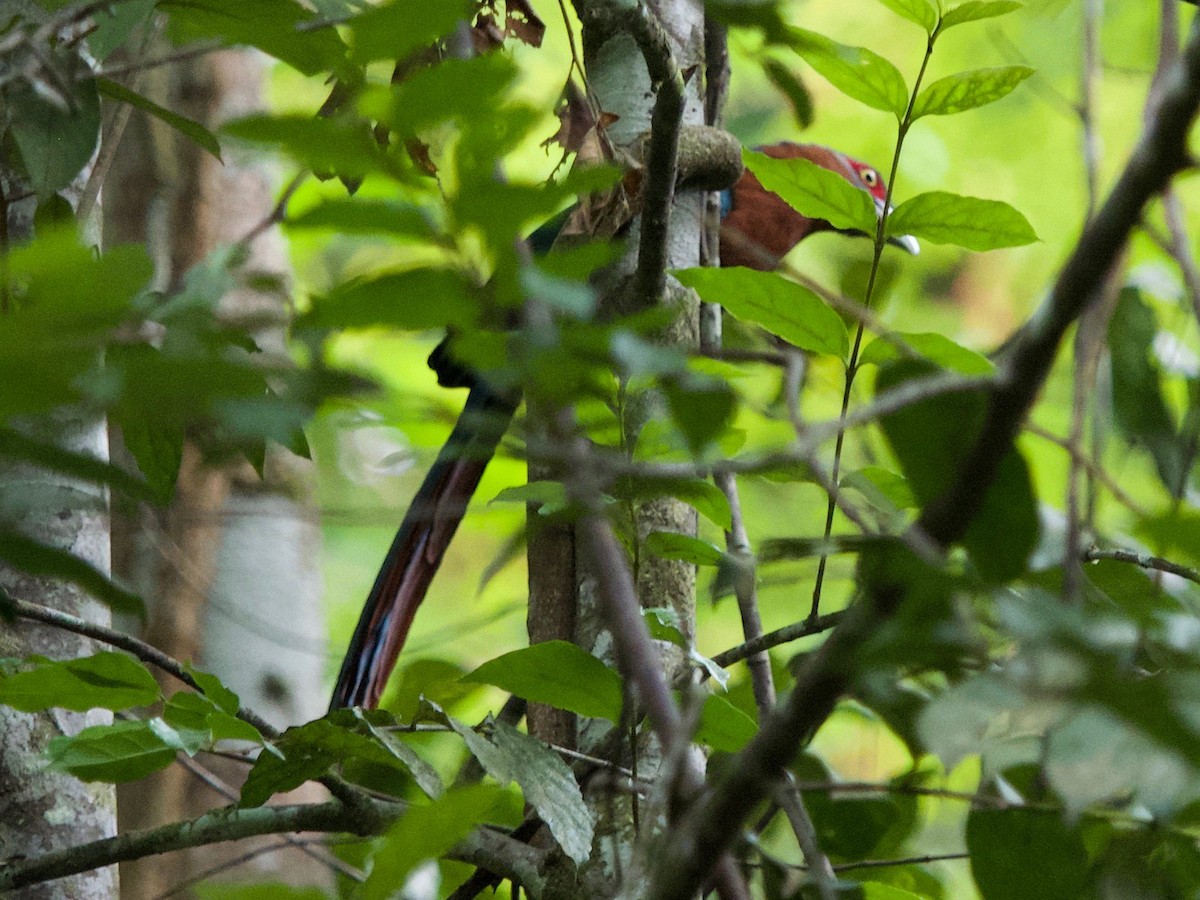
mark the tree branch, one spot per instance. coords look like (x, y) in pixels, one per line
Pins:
(711, 825)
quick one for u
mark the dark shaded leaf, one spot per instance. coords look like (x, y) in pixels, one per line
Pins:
(1022, 853)
(193, 131)
(44, 561)
(931, 439)
(55, 143)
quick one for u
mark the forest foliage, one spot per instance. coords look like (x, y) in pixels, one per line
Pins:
(1039, 685)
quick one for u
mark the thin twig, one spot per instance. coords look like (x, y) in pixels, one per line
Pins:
(1145, 560)
(784, 635)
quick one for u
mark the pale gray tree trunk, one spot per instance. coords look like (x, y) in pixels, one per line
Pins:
(232, 569)
(41, 809)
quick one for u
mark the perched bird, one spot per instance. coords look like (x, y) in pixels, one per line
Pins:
(758, 229)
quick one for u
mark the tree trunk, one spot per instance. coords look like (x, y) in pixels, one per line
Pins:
(233, 567)
(618, 76)
(41, 809)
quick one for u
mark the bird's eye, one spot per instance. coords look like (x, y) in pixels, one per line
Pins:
(870, 177)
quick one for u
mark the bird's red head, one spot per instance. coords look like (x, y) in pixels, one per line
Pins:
(760, 228)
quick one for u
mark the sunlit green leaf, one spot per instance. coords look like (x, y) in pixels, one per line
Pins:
(669, 545)
(782, 307)
(945, 218)
(117, 753)
(935, 347)
(415, 300)
(814, 191)
(855, 71)
(395, 29)
(105, 680)
(366, 216)
(277, 27)
(705, 496)
(968, 90)
(426, 831)
(558, 674)
(723, 726)
(919, 12)
(977, 9)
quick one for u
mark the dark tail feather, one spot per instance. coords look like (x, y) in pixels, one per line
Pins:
(418, 547)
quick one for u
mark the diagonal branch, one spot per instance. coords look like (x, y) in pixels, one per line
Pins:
(712, 824)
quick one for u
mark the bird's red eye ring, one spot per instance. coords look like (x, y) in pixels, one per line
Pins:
(870, 177)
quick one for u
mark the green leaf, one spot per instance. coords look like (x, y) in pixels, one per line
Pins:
(215, 690)
(1022, 853)
(945, 218)
(931, 440)
(360, 215)
(16, 445)
(704, 496)
(788, 84)
(156, 447)
(701, 408)
(396, 29)
(558, 674)
(782, 307)
(919, 12)
(105, 680)
(1094, 758)
(1139, 403)
(117, 753)
(193, 131)
(419, 299)
(968, 90)
(684, 547)
(881, 487)
(855, 71)
(345, 148)
(427, 832)
(545, 780)
(814, 191)
(308, 751)
(55, 143)
(44, 561)
(976, 10)
(116, 23)
(723, 726)
(196, 714)
(937, 348)
(273, 26)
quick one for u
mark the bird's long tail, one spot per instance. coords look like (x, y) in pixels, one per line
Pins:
(418, 547)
